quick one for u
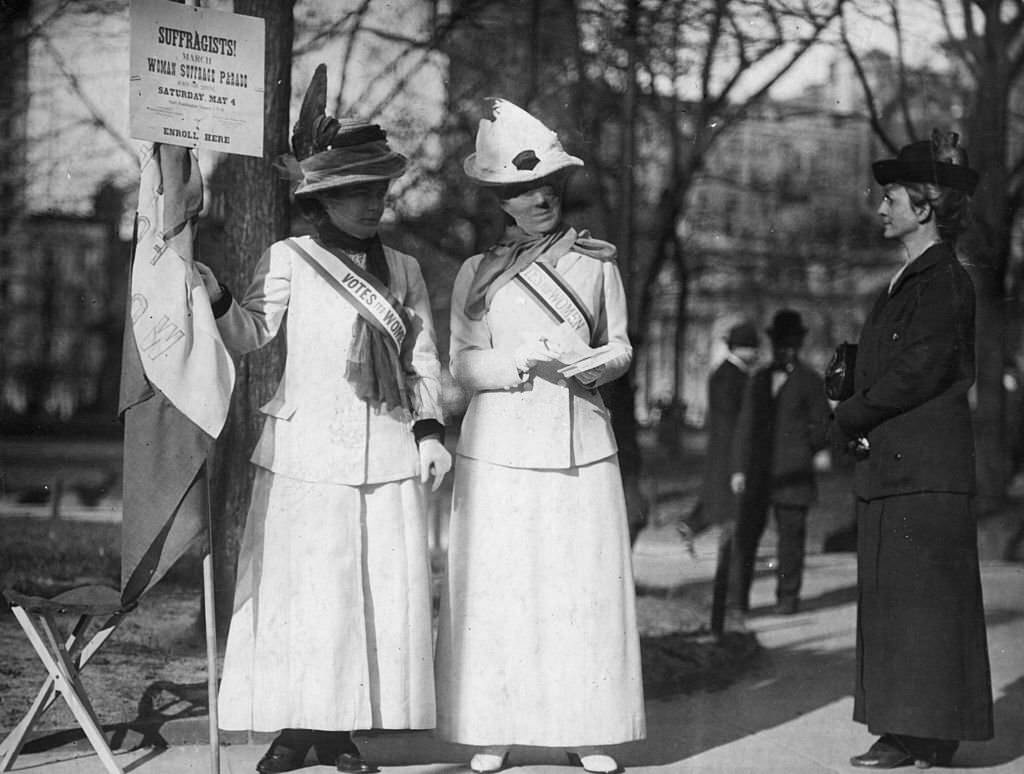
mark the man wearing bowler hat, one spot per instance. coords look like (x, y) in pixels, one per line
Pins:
(782, 424)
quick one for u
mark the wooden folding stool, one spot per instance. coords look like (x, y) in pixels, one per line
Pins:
(64, 659)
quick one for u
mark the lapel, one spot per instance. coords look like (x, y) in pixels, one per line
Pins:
(923, 262)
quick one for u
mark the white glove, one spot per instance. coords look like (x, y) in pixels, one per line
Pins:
(209, 281)
(435, 460)
(532, 353)
(738, 483)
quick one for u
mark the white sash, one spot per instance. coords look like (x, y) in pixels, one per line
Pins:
(553, 294)
(373, 301)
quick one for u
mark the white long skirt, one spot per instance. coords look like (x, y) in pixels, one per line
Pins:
(537, 641)
(331, 627)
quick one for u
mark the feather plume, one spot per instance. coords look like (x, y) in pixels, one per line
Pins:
(313, 121)
(945, 147)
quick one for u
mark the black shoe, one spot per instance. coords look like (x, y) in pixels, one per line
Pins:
(353, 763)
(734, 622)
(286, 753)
(787, 606)
(886, 753)
(337, 748)
(931, 752)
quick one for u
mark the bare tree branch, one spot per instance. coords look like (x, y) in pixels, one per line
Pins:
(98, 119)
(966, 47)
(350, 49)
(874, 118)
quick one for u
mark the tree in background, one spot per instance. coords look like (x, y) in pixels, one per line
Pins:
(641, 91)
(983, 43)
(256, 216)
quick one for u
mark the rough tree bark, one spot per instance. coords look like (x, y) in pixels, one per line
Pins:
(256, 216)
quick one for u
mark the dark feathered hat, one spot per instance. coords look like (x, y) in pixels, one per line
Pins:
(939, 160)
(332, 153)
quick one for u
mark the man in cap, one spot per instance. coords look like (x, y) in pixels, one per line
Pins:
(782, 424)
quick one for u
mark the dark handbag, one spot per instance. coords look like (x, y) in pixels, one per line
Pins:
(839, 372)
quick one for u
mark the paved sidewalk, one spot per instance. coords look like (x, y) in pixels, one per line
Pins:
(792, 715)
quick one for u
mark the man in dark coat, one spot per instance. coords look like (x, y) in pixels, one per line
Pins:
(717, 504)
(782, 424)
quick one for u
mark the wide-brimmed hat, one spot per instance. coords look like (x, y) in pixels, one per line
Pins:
(743, 334)
(919, 162)
(514, 147)
(332, 153)
(787, 325)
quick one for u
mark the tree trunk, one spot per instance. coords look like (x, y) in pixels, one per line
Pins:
(256, 216)
(988, 252)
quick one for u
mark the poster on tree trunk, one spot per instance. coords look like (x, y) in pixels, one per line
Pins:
(196, 77)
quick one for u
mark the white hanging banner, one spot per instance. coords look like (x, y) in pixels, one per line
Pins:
(196, 77)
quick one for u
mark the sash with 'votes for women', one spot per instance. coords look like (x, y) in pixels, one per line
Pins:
(556, 297)
(372, 300)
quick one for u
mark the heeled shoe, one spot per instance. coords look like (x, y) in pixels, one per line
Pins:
(597, 763)
(337, 748)
(886, 753)
(286, 753)
(353, 763)
(935, 753)
(490, 760)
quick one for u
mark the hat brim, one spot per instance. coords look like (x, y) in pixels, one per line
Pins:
(509, 175)
(954, 176)
(341, 181)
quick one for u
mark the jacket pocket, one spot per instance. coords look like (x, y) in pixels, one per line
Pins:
(278, 408)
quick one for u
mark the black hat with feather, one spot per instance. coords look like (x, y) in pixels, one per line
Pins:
(333, 153)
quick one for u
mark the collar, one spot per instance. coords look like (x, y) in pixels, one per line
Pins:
(935, 253)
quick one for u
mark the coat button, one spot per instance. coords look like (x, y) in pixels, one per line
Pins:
(895, 337)
(898, 456)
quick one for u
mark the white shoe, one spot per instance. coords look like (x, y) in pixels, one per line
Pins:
(598, 763)
(492, 759)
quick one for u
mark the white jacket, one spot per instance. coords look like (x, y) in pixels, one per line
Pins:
(317, 429)
(547, 421)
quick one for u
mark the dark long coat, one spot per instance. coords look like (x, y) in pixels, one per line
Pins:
(777, 437)
(725, 398)
(922, 660)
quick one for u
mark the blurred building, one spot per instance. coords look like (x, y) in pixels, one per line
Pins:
(63, 310)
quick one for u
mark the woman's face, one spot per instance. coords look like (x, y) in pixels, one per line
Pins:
(536, 208)
(356, 209)
(898, 214)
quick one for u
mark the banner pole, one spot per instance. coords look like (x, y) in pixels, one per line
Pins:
(211, 643)
(210, 617)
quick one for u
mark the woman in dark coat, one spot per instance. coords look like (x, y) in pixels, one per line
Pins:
(922, 660)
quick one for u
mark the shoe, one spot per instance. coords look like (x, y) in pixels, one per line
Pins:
(353, 763)
(787, 606)
(735, 622)
(934, 752)
(492, 759)
(886, 753)
(598, 763)
(286, 753)
(337, 748)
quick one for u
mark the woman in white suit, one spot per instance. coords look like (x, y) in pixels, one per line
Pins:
(331, 630)
(537, 640)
